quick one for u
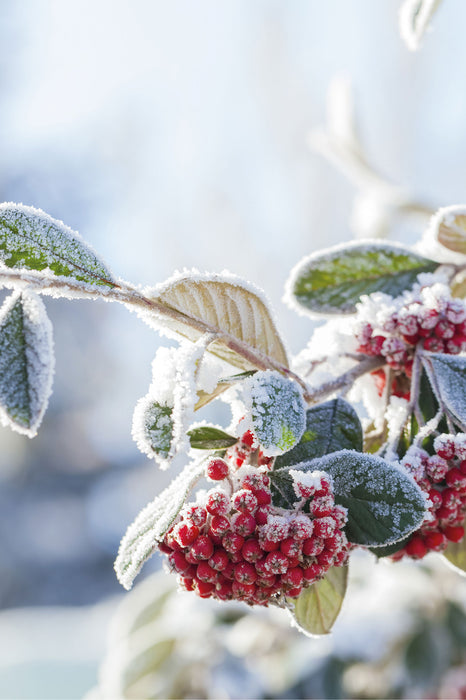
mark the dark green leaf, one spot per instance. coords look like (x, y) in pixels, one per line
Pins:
(447, 375)
(32, 240)
(330, 427)
(207, 437)
(333, 281)
(390, 549)
(318, 606)
(26, 362)
(384, 504)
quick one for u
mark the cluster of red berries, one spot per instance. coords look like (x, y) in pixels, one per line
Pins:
(437, 322)
(233, 544)
(442, 477)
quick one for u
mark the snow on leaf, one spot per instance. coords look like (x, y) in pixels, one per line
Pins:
(414, 18)
(208, 437)
(150, 526)
(224, 305)
(276, 409)
(334, 280)
(318, 606)
(26, 362)
(31, 239)
(447, 375)
(154, 424)
(384, 503)
(330, 427)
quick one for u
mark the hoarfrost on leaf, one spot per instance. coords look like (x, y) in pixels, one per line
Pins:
(31, 239)
(26, 362)
(277, 411)
(144, 534)
(447, 375)
(224, 305)
(334, 280)
(330, 427)
(383, 501)
(161, 418)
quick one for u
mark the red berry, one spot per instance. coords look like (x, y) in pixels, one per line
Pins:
(248, 438)
(205, 588)
(205, 572)
(219, 560)
(313, 546)
(454, 533)
(455, 478)
(261, 515)
(217, 469)
(293, 577)
(276, 563)
(232, 542)
(186, 533)
(243, 524)
(178, 560)
(196, 514)
(219, 525)
(444, 329)
(434, 344)
(312, 572)
(218, 503)
(416, 547)
(291, 547)
(245, 572)
(435, 540)
(203, 547)
(245, 501)
(251, 550)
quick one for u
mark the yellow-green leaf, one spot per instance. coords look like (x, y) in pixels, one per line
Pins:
(456, 554)
(318, 606)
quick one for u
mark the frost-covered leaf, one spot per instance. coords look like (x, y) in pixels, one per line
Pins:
(208, 437)
(150, 526)
(455, 553)
(162, 416)
(156, 425)
(448, 227)
(415, 16)
(30, 239)
(333, 281)
(330, 427)
(276, 409)
(226, 305)
(384, 503)
(447, 374)
(26, 362)
(318, 606)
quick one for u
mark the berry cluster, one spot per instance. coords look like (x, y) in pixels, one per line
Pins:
(443, 478)
(233, 544)
(432, 319)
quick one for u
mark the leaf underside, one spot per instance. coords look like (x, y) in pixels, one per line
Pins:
(318, 606)
(148, 529)
(447, 374)
(225, 307)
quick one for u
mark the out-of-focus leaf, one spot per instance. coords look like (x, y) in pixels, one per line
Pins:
(318, 606)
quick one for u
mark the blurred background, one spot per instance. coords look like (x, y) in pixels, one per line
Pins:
(177, 134)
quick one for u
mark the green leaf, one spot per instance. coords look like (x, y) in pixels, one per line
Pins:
(32, 240)
(455, 553)
(330, 427)
(384, 504)
(447, 375)
(277, 411)
(333, 281)
(142, 537)
(318, 606)
(208, 437)
(26, 362)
